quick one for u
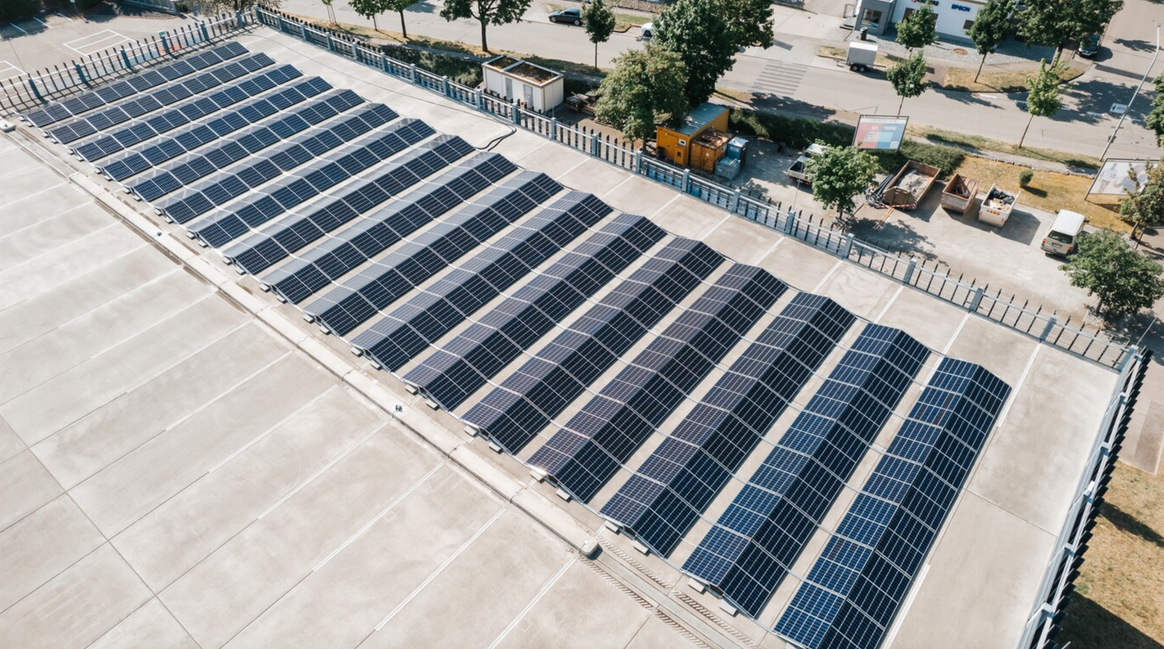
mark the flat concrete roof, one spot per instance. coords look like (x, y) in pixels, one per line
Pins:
(187, 460)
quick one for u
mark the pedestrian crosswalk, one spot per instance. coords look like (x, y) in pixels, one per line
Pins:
(779, 78)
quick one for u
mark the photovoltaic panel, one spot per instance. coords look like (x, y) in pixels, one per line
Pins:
(78, 104)
(413, 326)
(750, 549)
(255, 111)
(590, 448)
(462, 366)
(298, 230)
(856, 586)
(164, 95)
(516, 411)
(343, 308)
(333, 257)
(145, 128)
(677, 482)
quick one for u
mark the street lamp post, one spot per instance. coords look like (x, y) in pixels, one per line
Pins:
(1111, 138)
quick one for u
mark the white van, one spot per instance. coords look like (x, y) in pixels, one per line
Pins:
(1064, 234)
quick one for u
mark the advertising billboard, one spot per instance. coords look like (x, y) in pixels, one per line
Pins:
(1113, 178)
(880, 132)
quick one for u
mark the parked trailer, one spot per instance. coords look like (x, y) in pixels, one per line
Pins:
(959, 194)
(861, 56)
(799, 169)
(997, 206)
(905, 189)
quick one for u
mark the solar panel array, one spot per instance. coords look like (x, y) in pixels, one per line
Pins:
(84, 102)
(463, 365)
(590, 448)
(753, 545)
(516, 411)
(857, 585)
(676, 483)
(409, 329)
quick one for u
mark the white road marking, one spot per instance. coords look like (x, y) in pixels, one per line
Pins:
(94, 42)
(9, 71)
(533, 602)
(889, 303)
(46, 26)
(19, 28)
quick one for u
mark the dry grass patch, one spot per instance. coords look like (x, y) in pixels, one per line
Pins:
(962, 79)
(1119, 601)
(1048, 191)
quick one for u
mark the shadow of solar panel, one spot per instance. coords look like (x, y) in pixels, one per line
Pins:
(676, 483)
(295, 231)
(514, 413)
(156, 99)
(299, 278)
(317, 173)
(856, 586)
(591, 447)
(409, 329)
(343, 308)
(182, 114)
(90, 100)
(462, 366)
(750, 549)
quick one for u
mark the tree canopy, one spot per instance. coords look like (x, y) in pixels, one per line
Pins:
(599, 22)
(1155, 118)
(1056, 23)
(1043, 99)
(749, 22)
(919, 28)
(646, 87)
(1144, 207)
(486, 12)
(839, 174)
(991, 28)
(368, 9)
(1124, 280)
(908, 78)
(399, 6)
(698, 33)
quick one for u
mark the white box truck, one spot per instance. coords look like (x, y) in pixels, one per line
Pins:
(862, 56)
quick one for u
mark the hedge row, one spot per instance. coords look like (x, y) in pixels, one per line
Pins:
(798, 132)
(13, 10)
(464, 71)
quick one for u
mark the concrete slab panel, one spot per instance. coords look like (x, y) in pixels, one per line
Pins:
(35, 240)
(80, 339)
(52, 405)
(97, 592)
(582, 610)
(149, 626)
(657, 634)
(65, 263)
(25, 486)
(743, 241)
(553, 159)
(1002, 351)
(30, 177)
(979, 580)
(145, 478)
(931, 322)
(637, 195)
(594, 176)
(116, 428)
(487, 585)
(800, 266)
(10, 442)
(230, 588)
(36, 206)
(1033, 462)
(185, 529)
(687, 217)
(863, 293)
(42, 545)
(37, 315)
(340, 604)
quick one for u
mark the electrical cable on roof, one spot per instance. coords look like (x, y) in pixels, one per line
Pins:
(497, 140)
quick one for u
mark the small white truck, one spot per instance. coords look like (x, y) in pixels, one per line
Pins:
(799, 169)
(862, 56)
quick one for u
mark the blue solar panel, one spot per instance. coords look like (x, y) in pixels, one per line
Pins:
(856, 586)
(316, 267)
(343, 308)
(660, 502)
(750, 549)
(87, 101)
(462, 366)
(514, 413)
(591, 447)
(409, 329)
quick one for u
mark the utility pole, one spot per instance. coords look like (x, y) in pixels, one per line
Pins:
(1127, 110)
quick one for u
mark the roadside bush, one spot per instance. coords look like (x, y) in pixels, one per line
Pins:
(11, 10)
(574, 86)
(464, 71)
(1025, 177)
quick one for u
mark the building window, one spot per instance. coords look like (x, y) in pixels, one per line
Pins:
(872, 18)
(966, 25)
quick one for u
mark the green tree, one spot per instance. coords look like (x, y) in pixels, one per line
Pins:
(1043, 98)
(368, 9)
(1056, 23)
(486, 12)
(646, 87)
(749, 22)
(1124, 280)
(14, 10)
(399, 6)
(1144, 207)
(697, 32)
(598, 21)
(216, 6)
(1155, 118)
(990, 28)
(839, 174)
(919, 28)
(908, 78)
